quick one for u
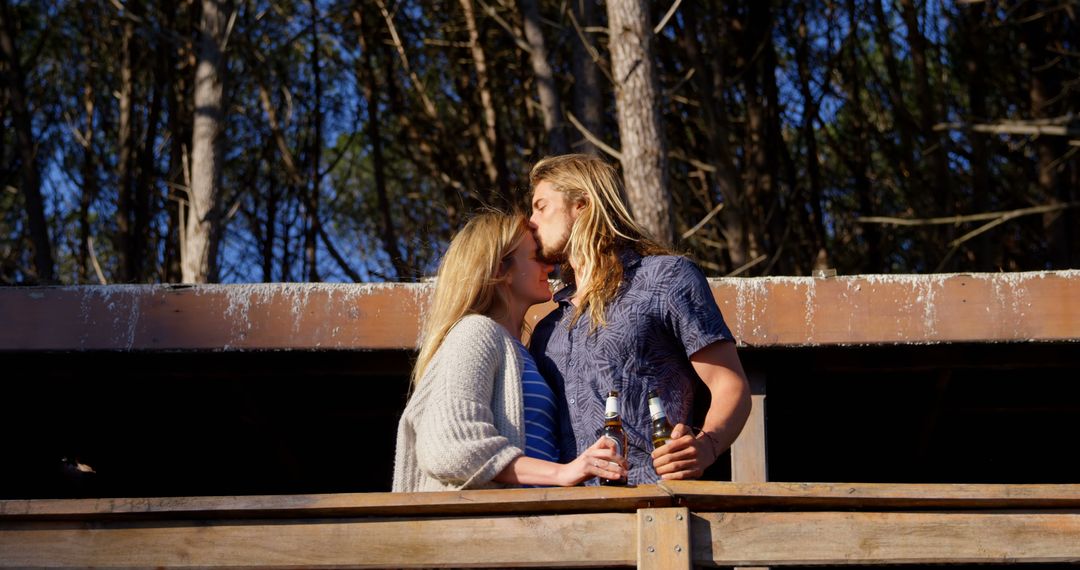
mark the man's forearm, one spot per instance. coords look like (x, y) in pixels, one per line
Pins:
(726, 417)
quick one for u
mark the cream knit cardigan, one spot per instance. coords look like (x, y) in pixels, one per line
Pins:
(465, 421)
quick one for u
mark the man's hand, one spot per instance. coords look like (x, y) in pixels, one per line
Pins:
(683, 456)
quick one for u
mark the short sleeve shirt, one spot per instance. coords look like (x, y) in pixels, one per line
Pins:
(663, 314)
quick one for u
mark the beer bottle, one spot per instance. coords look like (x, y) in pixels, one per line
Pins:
(661, 427)
(613, 430)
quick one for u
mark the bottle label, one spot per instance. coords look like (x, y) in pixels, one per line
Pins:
(656, 411)
(612, 408)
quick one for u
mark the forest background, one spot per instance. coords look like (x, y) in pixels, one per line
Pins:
(274, 141)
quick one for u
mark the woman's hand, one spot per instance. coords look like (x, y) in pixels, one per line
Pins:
(600, 460)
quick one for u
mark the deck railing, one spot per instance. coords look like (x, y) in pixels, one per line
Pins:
(671, 525)
(747, 523)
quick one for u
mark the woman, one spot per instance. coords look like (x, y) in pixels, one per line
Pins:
(466, 424)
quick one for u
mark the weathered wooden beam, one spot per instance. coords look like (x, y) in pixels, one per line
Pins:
(696, 495)
(722, 496)
(594, 539)
(730, 524)
(490, 501)
(771, 311)
(799, 538)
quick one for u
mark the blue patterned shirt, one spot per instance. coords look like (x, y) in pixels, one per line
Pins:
(663, 314)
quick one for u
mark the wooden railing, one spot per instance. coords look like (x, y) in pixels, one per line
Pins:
(768, 311)
(671, 525)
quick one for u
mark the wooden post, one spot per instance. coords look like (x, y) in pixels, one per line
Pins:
(749, 461)
(663, 538)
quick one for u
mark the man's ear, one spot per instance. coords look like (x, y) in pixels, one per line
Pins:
(576, 206)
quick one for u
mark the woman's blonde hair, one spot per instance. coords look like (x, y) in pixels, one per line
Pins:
(601, 230)
(469, 276)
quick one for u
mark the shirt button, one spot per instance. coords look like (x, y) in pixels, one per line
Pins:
(571, 400)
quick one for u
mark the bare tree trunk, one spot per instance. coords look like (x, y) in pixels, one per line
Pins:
(488, 143)
(203, 222)
(271, 207)
(588, 104)
(124, 165)
(727, 182)
(89, 163)
(644, 158)
(296, 179)
(550, 105)
(1045, 93)
(763, 129)
(902, 119)
(975, 36)
(178, 75)
(30, 174)
(934, 144)
(311, 237)
(368, 80)
(809, 135)
(857, 155)
(146, 202)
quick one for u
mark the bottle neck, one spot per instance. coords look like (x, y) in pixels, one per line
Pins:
(611, 410)
(656, 409)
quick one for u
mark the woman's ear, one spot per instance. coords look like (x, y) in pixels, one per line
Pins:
(504, 268)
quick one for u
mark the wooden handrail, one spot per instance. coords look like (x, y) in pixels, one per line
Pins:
(771, 311)
(696, 495)
(674, 524)
(478, 502)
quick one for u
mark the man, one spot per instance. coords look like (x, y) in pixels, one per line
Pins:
(632, 318)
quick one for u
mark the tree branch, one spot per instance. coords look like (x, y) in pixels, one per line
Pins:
(1005, 215)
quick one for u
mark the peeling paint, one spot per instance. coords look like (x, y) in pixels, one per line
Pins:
(854, 310)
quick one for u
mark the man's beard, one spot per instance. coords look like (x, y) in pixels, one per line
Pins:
(555, 255)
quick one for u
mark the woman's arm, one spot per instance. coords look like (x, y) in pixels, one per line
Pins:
(600, 460)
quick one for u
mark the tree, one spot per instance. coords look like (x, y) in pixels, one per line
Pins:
(203, 223)
(29, 167)
(550, 105)
(644, 157)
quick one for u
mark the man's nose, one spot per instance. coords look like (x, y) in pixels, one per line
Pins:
(532, 223)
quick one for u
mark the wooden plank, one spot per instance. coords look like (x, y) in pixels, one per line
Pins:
(495, 501)
(663, 538)
(724, 496)
(596, 539)
(749, 460)
(902, 309)
(779, 539)
(213, 317)
(768, 311)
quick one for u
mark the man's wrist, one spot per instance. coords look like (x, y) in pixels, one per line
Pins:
(712, 443)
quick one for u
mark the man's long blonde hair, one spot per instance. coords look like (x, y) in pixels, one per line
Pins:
(602, 229)
(469, 279)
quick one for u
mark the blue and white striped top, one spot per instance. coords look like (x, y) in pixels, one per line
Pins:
(540, 429)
